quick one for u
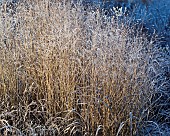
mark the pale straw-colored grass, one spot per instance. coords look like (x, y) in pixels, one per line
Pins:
(65, 71)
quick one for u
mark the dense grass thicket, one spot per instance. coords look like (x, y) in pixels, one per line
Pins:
(66, 71)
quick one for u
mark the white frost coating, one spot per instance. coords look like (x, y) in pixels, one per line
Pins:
(156, 14)
(9, 1)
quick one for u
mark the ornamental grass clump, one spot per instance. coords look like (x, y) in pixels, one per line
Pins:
(65, 71)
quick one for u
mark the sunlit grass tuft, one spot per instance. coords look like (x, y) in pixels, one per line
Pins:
(66, 71)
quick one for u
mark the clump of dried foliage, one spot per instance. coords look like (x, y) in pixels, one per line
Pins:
(66, 71)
